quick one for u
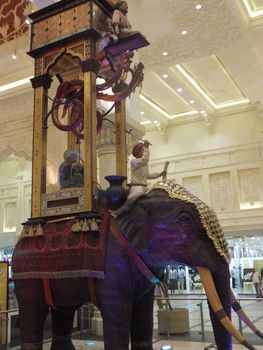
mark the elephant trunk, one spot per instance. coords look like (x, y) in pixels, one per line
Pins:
(243, 316)
(217, 307)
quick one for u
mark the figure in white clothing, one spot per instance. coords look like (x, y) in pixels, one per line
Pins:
(256, 279)
(120, 24)
(139, 175)
(181, 278)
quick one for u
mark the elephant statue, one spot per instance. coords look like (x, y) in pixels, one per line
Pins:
(165, 227)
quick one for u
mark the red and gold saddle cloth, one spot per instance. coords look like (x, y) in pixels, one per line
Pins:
(69, 248)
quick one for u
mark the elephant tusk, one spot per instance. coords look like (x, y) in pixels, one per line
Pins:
(213, 298)
(243, 316)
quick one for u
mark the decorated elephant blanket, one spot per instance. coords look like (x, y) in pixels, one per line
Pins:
(68, 248)
(207, 215)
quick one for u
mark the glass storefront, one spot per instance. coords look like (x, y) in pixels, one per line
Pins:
(6, 256)
(246, 254)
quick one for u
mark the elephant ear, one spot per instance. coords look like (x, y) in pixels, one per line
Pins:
(207, 215)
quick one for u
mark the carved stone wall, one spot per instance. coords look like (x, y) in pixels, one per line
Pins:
(220, 191)
(227, 179)
(194, 185)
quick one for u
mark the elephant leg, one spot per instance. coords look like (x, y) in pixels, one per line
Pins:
(142, 321)
(222, 283)
(116, 314)
(62, 322)
(33, 311)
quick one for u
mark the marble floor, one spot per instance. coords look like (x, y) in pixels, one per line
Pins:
(198, 338)
(200, 333)
(177, 345)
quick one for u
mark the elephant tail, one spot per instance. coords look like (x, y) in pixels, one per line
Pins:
(217, 307)
(243, 316)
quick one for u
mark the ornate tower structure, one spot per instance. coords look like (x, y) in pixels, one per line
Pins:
(65, 36)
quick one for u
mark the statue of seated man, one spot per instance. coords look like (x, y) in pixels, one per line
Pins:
(71, 171)
(120, 24)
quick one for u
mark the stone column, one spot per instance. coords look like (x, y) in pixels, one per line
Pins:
(106, 146)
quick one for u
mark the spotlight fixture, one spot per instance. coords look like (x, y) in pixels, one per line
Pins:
(179, 89)
(198, 6)
(184, 32)
(27, 21)
(142, 113)
(192, 102)
(14, 56)
(202, 112)
(165, 53)
(165, 76)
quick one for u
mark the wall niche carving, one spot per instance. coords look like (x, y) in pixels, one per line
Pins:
(220, 191)
(250, 187)
(194, 185)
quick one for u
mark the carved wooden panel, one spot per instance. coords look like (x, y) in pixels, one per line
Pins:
(250, 186)
(39, 66)
(62, 25)
(100, 21)
(220, 191)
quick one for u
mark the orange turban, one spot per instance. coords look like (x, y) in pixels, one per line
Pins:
(137, 149)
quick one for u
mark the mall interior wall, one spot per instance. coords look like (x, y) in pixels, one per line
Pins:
(221, 164)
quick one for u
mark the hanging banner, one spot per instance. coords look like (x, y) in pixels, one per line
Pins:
(3, 301)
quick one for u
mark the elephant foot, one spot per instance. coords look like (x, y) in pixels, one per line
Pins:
(32, 346)
(62, 342)
(62, 345)
(141, 345)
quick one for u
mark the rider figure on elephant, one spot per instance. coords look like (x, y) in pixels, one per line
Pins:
(139, 175)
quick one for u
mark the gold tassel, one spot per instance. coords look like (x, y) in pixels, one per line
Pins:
(31, 231)
(76, 226)
(39, 230)
(24, 231)
(85, 226)
(94, 226)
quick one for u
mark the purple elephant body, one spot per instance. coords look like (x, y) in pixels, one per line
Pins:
(163, 231)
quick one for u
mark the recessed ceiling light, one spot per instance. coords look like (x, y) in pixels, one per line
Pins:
(202, 92)
(202, 112)
(198, 6)
(14, 56)
(27, 21)
(184, 32)
(15, 84)
(142, 113)
(165, 76)
(146, 122)
(192, 102)
(165, 53)
(179, 90)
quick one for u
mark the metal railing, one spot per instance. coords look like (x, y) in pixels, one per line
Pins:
(197, 308)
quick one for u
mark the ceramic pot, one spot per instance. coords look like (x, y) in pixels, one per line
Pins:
(115, 193)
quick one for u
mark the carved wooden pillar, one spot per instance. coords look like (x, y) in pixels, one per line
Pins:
(90, 69)
(40, 83)
(121, 153)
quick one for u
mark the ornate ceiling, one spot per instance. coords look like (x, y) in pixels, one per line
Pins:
(215, 68)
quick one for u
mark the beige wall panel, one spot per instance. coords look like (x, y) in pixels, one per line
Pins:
(194, 185)
(220, 192)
